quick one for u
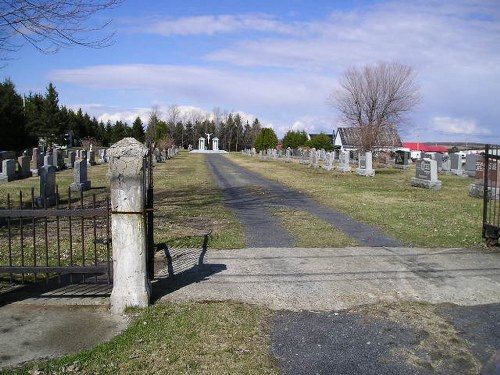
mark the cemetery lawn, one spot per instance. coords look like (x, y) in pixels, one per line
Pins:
(170, 338)
(189, 205)
(415, 216)
(311, 231)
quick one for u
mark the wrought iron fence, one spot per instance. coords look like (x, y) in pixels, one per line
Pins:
(73, 237)
(491, 195)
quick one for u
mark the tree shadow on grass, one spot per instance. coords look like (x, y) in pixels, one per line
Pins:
(182, 267)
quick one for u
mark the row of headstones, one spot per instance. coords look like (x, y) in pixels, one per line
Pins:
(163, 155)
(313, 158)
(426, 174)
(26, 166)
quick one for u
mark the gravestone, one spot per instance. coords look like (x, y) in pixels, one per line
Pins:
(365, 167)
(80, 183)
(57, 159)
(91, 158)
(288, 155)
(329, 158)
(476, 189)
(303, 157)
(36, 161)
(344, 162)
(470, 164)
(439, 159)
(8, 170)
(215, 144)
(103, 155)
(24, 163)
(316, 157)
(402, 159)
(426, 175)
(4, 155)
(446, 166)
(384, 159)
(47, 159)
(456, 165)
(48, 195)
(72, 159)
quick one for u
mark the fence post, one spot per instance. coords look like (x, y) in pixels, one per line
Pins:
(131, 286)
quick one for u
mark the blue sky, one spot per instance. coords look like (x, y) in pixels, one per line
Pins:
(280, 61)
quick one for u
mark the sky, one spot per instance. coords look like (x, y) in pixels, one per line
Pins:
(279, 61)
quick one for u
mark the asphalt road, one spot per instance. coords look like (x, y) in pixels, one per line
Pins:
(253, 199)
(316, 294)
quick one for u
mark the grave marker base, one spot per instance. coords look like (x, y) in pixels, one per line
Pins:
(365, 172)
(477, 191)
(419, 182)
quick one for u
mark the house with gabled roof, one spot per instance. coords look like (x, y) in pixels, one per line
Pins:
(348, 138)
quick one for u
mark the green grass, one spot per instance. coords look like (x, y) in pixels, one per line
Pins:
(188, 206)
(415, 216)
(310, 231)
(188, 338)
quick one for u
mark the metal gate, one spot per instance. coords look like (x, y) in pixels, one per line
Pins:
(71, 238)
(491, 195)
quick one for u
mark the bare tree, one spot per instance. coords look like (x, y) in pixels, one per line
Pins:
(49, 25)
(376, 99)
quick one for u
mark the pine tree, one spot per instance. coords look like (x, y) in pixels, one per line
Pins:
(12, 120)
(52, 127)
(266, 139)
(294, 139)
(138, 130)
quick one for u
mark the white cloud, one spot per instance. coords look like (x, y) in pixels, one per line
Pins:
(249, 92)
(213, 24)
(458, 126)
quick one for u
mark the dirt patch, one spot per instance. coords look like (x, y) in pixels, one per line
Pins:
(439, 347)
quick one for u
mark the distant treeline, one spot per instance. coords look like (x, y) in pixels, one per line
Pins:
(39, 119)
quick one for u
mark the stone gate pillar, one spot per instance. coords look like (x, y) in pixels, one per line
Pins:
(127, 165)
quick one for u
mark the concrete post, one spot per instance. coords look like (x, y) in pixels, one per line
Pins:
(131, 286)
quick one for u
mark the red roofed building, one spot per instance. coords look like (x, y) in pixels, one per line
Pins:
(416, 148)
(423, 147)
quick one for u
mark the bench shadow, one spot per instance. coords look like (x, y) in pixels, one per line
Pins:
(181, 268)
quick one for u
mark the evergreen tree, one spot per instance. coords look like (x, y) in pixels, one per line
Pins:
(12, 120)
(320, 141)
(266, 139)
(138, 130)
(52, 127)
(33, 113)
(179, 134)
(294, 139)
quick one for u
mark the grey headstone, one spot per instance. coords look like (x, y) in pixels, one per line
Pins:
(426, 175)
(81, 183)
(439, 159)
(24, 163)
(365, 166)
(8, 170)
(48, 194)
(470, 164)
(344, 162)
(401, 160)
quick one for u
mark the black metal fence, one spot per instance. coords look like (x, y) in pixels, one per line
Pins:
(491, 195)
(74, 237)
